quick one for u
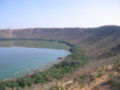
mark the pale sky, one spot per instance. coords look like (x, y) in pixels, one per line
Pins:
(58, 13)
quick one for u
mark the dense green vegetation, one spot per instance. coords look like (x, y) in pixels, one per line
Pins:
(73, 61)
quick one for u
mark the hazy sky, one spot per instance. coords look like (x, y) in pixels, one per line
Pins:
(58, 13)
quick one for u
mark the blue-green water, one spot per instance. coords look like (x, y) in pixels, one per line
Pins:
(18, 60)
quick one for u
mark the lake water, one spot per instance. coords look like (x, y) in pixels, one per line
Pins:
(18, 58)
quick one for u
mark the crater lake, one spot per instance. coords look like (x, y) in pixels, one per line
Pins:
(21, 57)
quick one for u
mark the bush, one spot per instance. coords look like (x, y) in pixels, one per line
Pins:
(117, 65)
(115, 82)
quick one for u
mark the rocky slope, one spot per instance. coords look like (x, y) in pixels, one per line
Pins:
(102, 78)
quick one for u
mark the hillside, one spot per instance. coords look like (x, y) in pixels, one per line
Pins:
(102, 78)
(102, 44)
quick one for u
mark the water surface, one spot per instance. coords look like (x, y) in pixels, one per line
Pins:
(18, 58)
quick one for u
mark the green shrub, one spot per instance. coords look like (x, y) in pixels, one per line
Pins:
(115, 82)
(117, 65)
